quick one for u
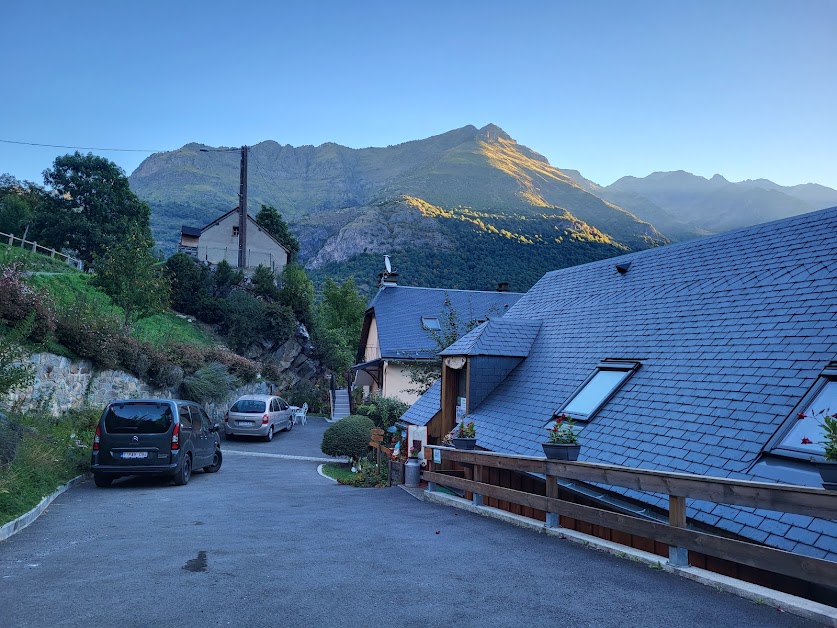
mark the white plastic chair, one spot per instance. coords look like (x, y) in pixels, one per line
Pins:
(299, 414)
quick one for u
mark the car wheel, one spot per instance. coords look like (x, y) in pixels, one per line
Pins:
(217, 459)
(102, 481)
(269, 436)
(290, 424)
(182, 476)
(229, 436)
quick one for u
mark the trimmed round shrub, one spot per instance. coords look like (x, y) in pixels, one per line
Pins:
(348, 437)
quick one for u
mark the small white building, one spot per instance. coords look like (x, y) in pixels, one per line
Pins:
(219, 241)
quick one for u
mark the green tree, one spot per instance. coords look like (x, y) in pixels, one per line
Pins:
(264, 283)
(272, 222)
(226, 278)
(92, 207)
(297, 292)
(424, 374)
(20, 202)
(133, 278)
(338, 323)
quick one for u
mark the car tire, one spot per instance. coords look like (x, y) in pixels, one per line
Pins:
(229, 436)
(185, 472)
(217, 459)
(269, 436)
(290, 424)
(102, 481)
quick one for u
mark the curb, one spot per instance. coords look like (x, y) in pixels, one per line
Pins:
(16, 525)
(757, 594)
(320, 471)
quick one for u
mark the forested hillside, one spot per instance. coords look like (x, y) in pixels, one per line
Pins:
(464, 209)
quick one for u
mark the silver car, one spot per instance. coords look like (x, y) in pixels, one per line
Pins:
(258, 415)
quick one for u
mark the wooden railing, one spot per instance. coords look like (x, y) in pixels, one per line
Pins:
(10, 239)
(814, 502)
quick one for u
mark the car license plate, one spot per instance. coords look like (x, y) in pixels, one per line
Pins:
(134, 454)
(245, 423)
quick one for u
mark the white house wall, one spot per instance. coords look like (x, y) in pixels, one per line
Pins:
(218, 243)
(396, 383)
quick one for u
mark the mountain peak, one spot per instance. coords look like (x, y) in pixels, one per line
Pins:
(492, 133)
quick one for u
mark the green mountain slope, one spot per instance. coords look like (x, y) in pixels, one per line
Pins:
(465, 195)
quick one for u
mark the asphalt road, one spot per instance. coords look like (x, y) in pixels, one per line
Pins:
(269, 542)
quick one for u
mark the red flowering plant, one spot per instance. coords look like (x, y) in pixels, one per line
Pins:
(466, 430)
(562, 431)
(829, 428)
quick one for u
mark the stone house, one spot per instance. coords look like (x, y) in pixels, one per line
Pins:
(219, 241)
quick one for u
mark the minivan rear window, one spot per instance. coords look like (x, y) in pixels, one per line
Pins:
(248, 405)
(138, 418)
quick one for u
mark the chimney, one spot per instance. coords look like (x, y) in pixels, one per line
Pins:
(389, 277)
(503, 286)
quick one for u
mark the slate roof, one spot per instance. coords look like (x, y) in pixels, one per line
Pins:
(731, 331)
(497, 336)
(398, 311)
(425, 407)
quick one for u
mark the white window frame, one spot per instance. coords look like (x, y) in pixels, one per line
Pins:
(628, 367)
(431, 318)
(775, 445)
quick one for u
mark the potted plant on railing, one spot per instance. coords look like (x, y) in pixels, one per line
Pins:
(563, 439)
(465, 435)
(827, 469)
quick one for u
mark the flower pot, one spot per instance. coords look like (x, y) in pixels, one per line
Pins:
(464, 443)
(412, 472)
(558, 451)
(828, 473)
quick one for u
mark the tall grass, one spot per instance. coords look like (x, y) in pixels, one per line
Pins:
(49, 452)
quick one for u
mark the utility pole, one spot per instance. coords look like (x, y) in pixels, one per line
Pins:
(242, 212)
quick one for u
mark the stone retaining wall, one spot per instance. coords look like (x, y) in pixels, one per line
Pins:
(62, 384)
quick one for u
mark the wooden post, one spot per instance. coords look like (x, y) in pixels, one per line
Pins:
(431, 467)
(477, 478)
(677, 556)
(552, 519)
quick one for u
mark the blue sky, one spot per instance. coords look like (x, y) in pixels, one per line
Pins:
(743, 88)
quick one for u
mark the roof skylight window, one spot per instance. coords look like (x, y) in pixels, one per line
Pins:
(598, 388)
(431, 323)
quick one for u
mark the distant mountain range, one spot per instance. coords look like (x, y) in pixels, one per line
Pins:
(464, 209)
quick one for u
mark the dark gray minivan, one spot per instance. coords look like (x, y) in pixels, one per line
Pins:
(154, 436)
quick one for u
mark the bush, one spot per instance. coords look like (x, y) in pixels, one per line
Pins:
(384, 411)
(315, 395)
(243, 320)
(212, 382)
(187, 356)
(90, 333)
(243, 368)
(19, 300)
(368, 475)
(348, 437)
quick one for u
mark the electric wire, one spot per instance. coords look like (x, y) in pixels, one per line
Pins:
(121, 150)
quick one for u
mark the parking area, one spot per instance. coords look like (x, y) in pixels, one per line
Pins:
(267, 542)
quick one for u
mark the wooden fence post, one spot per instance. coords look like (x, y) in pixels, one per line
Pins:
(552, 520)
(677, 556)
(477, 478)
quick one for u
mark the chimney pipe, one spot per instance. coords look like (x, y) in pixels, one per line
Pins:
(503, 286)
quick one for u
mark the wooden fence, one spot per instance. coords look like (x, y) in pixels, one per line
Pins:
(10, 239)
(814, 502)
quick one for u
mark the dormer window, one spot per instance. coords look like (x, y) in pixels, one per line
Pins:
(431, 323)
(597, 389)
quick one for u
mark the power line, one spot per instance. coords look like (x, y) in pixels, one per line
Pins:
(121, 150)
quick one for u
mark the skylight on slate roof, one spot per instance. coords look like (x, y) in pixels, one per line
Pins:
(431, 322)
(597, 389)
